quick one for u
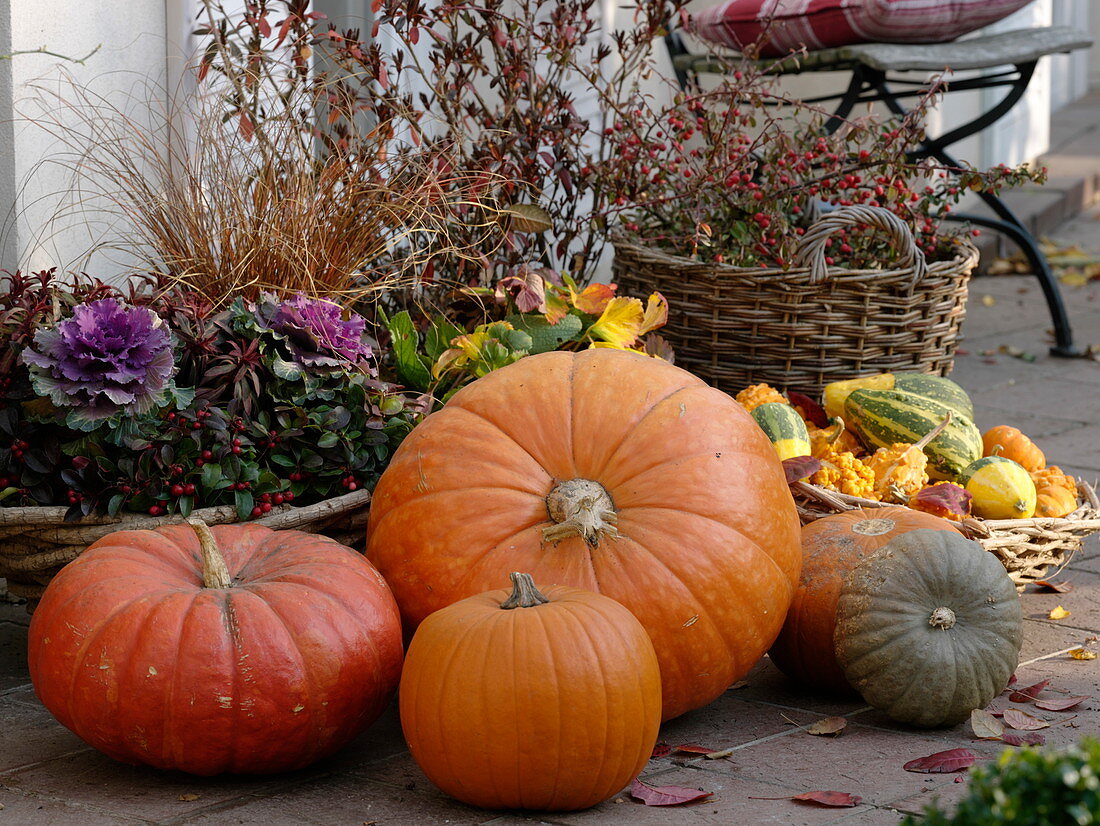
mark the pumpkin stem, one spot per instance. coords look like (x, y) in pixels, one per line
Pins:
(996, 451)
(215, 573)
(942, 618)
(580, 507)
(524, 593)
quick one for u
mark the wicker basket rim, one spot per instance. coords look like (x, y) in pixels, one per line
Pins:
(964, 260)
(281, 516)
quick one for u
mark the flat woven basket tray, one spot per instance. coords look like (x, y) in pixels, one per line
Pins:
(1030, 549)
(36, 543)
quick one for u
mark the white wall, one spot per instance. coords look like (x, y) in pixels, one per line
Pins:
(131, 60)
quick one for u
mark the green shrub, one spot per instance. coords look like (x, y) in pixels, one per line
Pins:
(1029, 787)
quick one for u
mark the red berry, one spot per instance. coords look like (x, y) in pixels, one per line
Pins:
(353, 486)
(207, 455)
(176, 490)
(236, 443)
(288, 496)
(266, 507)
(235, 449)
(257, 511)
(189, 489)
(277, 499)
(154, 510)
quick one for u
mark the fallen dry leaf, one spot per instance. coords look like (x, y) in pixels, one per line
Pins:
(691, 748)
(944, 499)
(824, 798)
(1023, 738)
(718, 755)
(942, 762)
(661, 750)
(1058, 613)
(1082, 654)
(984, 725)
(1023, 721)
(665, 795)
(1026, 695)
(828, 727)
(988, 301)
(1056, 587)
(1060, 705)
(840, 800)
(187, 798)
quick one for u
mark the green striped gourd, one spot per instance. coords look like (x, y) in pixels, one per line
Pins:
(885, 417)
(1001, 488)
(785, 428)
(938, 389)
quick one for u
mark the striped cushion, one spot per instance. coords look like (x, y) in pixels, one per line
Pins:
(783, 26)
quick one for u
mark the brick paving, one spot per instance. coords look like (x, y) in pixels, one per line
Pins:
(48, 776)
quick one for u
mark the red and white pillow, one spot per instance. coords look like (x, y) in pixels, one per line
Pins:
(783, 26)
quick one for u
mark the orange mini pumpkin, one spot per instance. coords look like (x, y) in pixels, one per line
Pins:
(608, 471)
(1010, 443)
(832, 547)
(548, 701)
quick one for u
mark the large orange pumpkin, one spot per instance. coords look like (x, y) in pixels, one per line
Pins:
(529, 700)
(832, 547)
(608, 471)
(259, 651)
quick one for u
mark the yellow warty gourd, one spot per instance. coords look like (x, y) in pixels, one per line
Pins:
(757, 394)
(845, 473)
(900, 471)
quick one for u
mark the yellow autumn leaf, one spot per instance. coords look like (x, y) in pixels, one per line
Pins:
(1058, 613)
(556, 308)
(620, 323)
(988, 301)
(656, 314)
(1082, 654)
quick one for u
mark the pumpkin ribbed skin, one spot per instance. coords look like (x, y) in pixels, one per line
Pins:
(929, 628)
(832, 547)
(706, 555)
(131, 652)
(1011, 443)
(551, 707)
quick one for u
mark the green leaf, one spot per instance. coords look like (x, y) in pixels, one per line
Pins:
(244, 503)
(329, 439)
(211, 475)
(186, 505)
(412, 369)
(114, 505)
(439, 336)
(284, 369)
(545, 336)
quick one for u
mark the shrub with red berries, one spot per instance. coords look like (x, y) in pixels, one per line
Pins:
(247, 433)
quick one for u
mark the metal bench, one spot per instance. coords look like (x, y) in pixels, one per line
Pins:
(878, 76)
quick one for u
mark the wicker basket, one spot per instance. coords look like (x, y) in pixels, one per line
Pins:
(1028, 548)
(36, 543)
(805, 327)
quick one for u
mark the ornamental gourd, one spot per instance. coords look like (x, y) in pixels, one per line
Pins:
(547, 701)
(786, 429)
(209, 650)
(1001, 489)
(1010, 443)
(609, 471)
(832, 547)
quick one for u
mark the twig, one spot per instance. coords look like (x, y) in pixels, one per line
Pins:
(45, 51)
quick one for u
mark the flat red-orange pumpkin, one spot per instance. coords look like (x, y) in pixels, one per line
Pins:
(291, 660)
(688, 519)
(832, 547)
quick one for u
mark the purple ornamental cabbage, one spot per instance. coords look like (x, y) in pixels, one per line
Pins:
(316, 331)
(106, 359)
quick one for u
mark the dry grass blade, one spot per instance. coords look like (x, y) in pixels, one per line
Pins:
(237, 212)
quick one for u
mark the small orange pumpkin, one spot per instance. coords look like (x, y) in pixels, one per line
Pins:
(1054, 501)
(832, 547)
(531, 701)
(1010, 443)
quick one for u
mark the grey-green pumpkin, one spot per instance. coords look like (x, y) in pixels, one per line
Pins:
(928, 628)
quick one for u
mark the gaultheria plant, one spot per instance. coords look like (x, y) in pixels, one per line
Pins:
(107, 359)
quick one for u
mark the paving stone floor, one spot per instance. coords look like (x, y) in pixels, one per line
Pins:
(48, 776)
